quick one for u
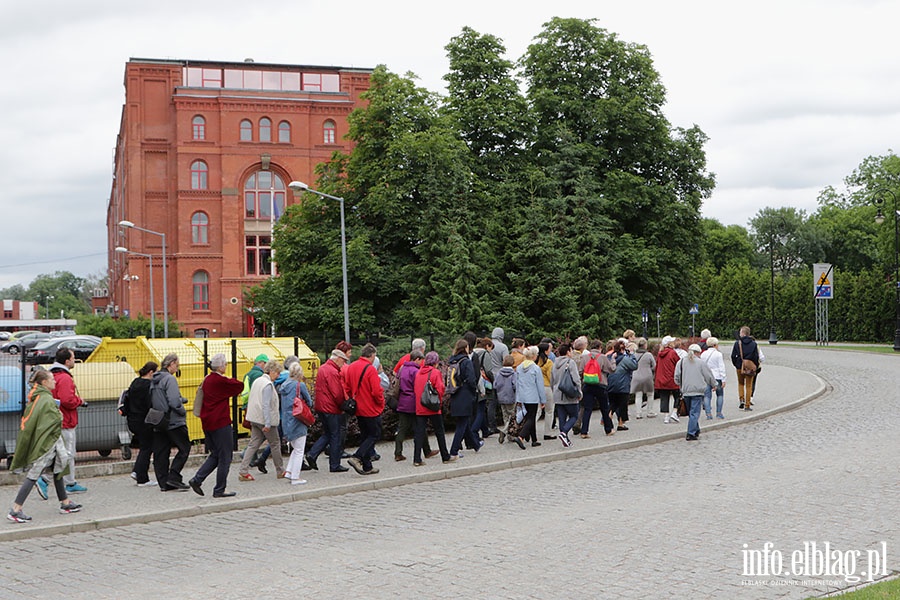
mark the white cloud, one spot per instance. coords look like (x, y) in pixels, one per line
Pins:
(793, 95)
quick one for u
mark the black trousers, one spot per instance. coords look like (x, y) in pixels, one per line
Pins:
(163, 442)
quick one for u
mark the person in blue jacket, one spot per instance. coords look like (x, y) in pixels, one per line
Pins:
(619, 383)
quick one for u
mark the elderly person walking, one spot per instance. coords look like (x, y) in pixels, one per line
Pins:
(619, 382)
(364, 385)
(137, 403)
(329, 395)
(40, 446)
(408, 408)
(664, 381)
(642, 380)
(428, 372)
(530, 394)
(215, 415)
(566, 406)
(294, 389)
(713, 358)
(692, 375)
(165, 396)
(264, 415)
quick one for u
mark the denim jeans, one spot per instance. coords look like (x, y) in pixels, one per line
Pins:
(331, 437)
(219, 442)
(370, 432)
(694, 403)
(567, 414)
(720, 398)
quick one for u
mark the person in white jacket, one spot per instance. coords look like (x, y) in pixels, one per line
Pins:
(693, 376)
(716, 363)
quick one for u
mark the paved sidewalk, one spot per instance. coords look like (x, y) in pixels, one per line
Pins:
(114, 500)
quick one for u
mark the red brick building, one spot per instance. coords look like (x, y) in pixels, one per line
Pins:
(204, 155)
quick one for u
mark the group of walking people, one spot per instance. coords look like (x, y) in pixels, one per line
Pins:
(487, 387)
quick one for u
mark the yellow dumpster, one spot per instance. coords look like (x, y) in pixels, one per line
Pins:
(137, 351)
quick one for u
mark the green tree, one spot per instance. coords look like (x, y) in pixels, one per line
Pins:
(723, 245)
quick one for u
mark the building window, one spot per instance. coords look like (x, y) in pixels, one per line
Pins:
(263, 192)
(246, 131)
(199, 228)
(328, 130)
(258, 251)
(321, 82)
(198, 126)
(199, 175)
(265, 130)
(201, 290)
(284, 132)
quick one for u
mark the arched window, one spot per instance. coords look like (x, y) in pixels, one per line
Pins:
(246, 131)
(201, 290)
(284, 132)
(328, 130)
(199, 175)
(199, 128)
(265, 130)
(264, 192)
(199, 227)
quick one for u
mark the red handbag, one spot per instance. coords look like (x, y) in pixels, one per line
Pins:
(302, 412)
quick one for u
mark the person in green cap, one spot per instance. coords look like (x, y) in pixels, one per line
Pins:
(252, 375)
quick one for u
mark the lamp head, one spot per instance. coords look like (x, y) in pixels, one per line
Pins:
(126, 224)
(121, 249)
(298, 186)
(879, 217)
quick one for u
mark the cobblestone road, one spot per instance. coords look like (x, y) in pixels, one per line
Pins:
(668, 520)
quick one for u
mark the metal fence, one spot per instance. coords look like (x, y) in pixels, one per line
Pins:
(102, 433)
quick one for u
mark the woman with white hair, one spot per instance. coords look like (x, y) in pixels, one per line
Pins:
(294, 388)
(713, 358)
(215, 415)
(692, 375)
(264, 416)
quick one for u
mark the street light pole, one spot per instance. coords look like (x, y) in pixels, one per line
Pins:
(152, 303)
(48, 299)
(879, 218)
(299, 186)
(130, 225)
(773, 337)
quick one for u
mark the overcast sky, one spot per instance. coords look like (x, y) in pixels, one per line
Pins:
(793, 94)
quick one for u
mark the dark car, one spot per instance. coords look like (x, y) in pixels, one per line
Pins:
(24, 343)
(45, 352)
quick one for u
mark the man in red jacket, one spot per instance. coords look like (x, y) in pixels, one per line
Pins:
(329, 395)
(215, 415)
(69, 401)
(361, 382)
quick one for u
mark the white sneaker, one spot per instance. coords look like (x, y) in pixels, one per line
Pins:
(674, 417)
(298, 481)
(639, 416)
(148, 483)
(667, 420)
(134, 475)
(651, 415)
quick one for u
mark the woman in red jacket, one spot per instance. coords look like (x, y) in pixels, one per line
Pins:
(429, 372)
(664, 382)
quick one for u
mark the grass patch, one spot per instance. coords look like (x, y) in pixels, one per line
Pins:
(879, 591)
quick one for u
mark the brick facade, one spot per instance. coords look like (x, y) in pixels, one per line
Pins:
(183, 114)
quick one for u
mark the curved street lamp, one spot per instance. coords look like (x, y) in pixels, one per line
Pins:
(878, 201)
(299, 186)
(122, 250)
(130, 225)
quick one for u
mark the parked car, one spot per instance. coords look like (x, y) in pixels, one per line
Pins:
(45, 352)
(63, 333)
(16, 335)
(24, 343)
(5, 335)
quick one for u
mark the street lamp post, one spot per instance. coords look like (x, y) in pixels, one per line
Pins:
(879, 218)
(122, 250)
(47, 302)
(773, 337)
(131, 225)
(299, 186)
